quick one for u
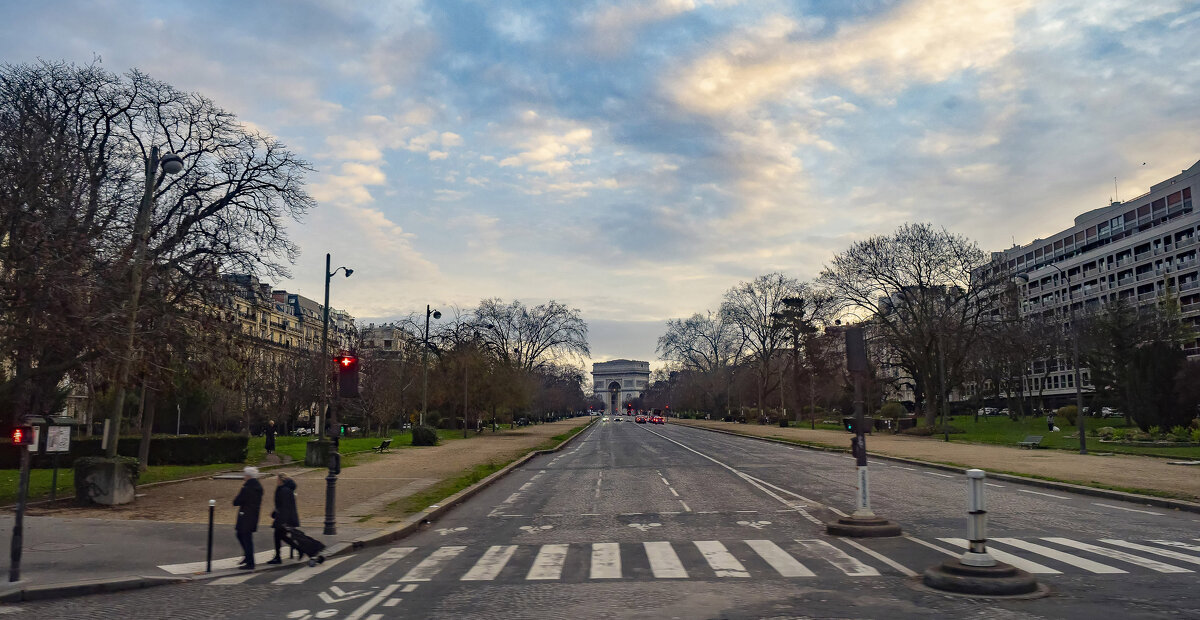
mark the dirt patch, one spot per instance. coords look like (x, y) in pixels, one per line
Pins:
(1118, 470)
(363, 490)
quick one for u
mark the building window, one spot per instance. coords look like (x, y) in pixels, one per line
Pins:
(387, 344)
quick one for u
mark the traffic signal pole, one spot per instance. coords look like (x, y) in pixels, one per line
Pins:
(864, 522)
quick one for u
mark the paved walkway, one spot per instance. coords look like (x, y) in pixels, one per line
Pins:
(1125, 471)
(167, 524)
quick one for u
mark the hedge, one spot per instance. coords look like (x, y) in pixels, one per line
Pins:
(164, 450)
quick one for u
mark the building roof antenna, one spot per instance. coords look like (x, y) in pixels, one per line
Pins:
(1115, 192)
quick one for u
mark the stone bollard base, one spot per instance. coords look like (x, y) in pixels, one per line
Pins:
(873, 527)
(999, 580)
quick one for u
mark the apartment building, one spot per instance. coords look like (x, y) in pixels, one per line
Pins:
(284, 321)
(1137, 250)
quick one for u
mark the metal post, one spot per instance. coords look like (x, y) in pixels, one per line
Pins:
(1080, 416)
(335, 466)
(18, 535)
(325, 345)
(54, 479)
(862, 502)
(425, 366)
(945, 394)
(976, 554)
(812, 398)
(212, 506)
(466, 371)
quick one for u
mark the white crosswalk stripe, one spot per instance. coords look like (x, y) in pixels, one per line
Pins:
(664, 562)
(431, 565)
(1008, 558)
(1175, 543)
(1154, 565)
(784, 564)
(300, 575)
(490, 565)
(606, 561)
(549, 563)
(1061, 556)
(371, 568)
(844, 562)
(1175, 555)
(720, 559)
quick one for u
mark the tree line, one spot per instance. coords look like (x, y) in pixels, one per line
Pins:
(943, 324)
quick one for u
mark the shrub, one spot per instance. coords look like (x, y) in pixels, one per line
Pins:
(1195, 435)
(927, 431)
(164, 450)
(1180, 433)
(893, 410)
(1119, 434)
(424, 436)
(1106, 432)
(1068, 413)
(1154, 432)
(783, 423)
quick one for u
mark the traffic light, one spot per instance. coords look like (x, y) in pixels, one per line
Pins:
(22, 435)
(848, 422)
(347, 372)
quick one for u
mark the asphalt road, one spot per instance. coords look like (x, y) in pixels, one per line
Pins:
(648, 521)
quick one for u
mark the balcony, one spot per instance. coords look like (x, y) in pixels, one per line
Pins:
(1183, 243)
(1147, 296)
(1145, 275)
(1187, 286)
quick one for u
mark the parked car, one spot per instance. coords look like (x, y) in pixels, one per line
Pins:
(522, 421)
(1109, 412)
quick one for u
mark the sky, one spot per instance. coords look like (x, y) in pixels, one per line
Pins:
(636, 159)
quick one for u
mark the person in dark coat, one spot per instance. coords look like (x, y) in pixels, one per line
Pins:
(248, 501)
(270, 437)
(285, 514)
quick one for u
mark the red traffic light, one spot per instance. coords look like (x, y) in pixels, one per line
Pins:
(346, 362)
(22, 435)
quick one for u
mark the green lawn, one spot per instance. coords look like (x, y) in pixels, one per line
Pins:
(295, 446)
(1001, 430)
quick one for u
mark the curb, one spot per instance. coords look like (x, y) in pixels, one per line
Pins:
(1149, 500)
(396, 532)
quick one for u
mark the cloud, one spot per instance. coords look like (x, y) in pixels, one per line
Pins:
(349, 187)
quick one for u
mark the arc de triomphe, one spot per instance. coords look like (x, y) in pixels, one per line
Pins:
(618, 380)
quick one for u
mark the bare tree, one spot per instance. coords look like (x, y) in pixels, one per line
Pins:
(530, 338)
(928, 291)
(752, 307)
(707, 347)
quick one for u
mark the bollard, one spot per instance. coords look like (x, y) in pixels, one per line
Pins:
(212, 506)
(976, 554)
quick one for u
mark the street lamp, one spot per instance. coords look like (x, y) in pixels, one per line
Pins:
(334, 459)
(170, 164)
(1080, 417)
(425, 362)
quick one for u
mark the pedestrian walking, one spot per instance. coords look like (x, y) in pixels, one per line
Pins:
(1050, 421)
(248, 501)
(270, 437)
(285, 515)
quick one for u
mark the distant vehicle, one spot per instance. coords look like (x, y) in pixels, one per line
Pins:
(522, 421)
(658, 420)
(1109, 412)
(1005, 412)
(992, 411)
(640, 419)
(604, 419)
(616, 419)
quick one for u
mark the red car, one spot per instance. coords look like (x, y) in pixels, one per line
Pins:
(658, 420)
(640, 419)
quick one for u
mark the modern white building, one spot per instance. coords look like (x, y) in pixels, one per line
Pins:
(619, 380)
(1138, 250)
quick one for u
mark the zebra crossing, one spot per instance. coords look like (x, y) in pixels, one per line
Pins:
(727, 560)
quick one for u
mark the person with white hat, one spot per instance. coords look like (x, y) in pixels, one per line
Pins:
(248, 501)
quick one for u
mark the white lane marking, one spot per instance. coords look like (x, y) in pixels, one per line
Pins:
(549, 563)
(300, 575)
(707, 512)
(409, 587)
(1182, 557)
(221, 564)
(932, 546)
(902, 467)
(432, 564)
(1003, 556)
(784, 564)
(233, 580)
(1043, 494)
(599, 481)
(664, 481)
(673, 491)
(1061, 556)
(385, 593)
(1145, 512)
(904, 570)
(686, 508)
(526, 486)
(934, 473)
(372, 567)
(664, 563)
(1153, 565)
(606, 561)
(746, 511)
(837, 512)
(490, 564)
(589, 514)
(783, 490)
(1174, 543)
(392, 602)
(838, 558)
(998, 486)
(720, 559)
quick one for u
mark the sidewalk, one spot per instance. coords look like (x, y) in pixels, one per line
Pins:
(1126, 472)
(168, 524)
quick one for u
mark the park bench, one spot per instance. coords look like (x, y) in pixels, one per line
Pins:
(383, 446)
(1031, 442)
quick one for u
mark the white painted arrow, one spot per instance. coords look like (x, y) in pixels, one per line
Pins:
(341, 596)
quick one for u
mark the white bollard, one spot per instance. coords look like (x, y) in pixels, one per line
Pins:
(976, 554)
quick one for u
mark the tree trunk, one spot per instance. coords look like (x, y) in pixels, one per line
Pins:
(150, 398)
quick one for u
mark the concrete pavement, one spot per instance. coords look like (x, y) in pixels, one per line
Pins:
(668, 521)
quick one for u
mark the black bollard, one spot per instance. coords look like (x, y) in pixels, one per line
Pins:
(212, 506)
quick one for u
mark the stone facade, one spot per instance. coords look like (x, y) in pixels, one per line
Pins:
(619, 380)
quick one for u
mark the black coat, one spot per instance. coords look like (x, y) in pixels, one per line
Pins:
(269, 443)
(285, 506)
(249, 501)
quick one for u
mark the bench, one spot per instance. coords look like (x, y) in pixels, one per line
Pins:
(1031, 442)
(386, 443)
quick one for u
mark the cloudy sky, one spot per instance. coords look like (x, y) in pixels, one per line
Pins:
(635, 159)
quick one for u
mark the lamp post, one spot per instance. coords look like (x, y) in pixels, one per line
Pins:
(425, 362)
(1080, 417)
(170, 164)
(334, 458)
